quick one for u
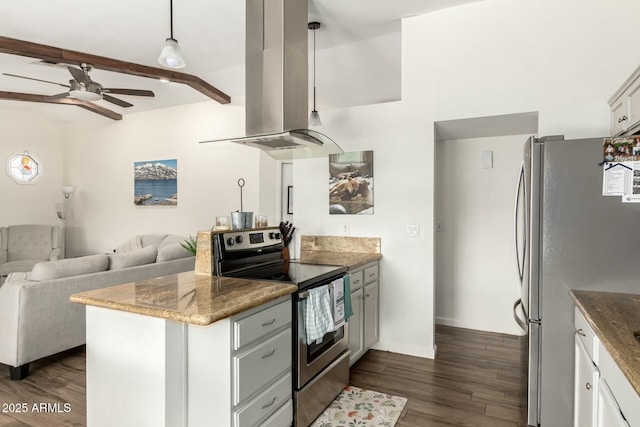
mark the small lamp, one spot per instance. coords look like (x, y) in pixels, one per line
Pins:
(67, 190)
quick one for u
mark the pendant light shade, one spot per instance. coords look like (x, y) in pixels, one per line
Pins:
(314, 117)
(171, 56)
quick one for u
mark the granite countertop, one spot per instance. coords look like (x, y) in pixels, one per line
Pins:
(187, 297)
(349, 251)
(614, 318)
(349, 259)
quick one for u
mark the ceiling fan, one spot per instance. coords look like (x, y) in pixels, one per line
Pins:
(83, 88)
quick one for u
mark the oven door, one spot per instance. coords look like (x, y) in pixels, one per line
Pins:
(313, 358)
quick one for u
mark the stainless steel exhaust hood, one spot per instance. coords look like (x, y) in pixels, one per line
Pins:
(277, 82)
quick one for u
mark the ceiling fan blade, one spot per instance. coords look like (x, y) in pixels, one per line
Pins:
(30, 97)
(136, 92)
(37, 80)
(116, 101)
(80, 75)
(60, 95)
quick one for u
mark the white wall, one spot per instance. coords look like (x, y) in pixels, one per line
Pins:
(99, 157)
(476, 277)
(43, 138)
(560, 58)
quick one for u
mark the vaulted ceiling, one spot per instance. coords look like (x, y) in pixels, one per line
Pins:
(211, 35)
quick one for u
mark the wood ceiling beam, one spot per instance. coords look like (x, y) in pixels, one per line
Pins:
(30, 97)
(53, 54)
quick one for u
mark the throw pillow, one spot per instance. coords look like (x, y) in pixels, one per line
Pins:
(152, 240)
(49, 270)
(133, 244)
(131, 259)
(172, 251)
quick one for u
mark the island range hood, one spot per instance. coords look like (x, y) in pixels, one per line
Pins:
(277, 82)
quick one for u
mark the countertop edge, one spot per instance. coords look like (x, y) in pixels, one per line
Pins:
(201, 320)
(630, 374)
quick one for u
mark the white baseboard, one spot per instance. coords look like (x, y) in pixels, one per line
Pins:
(458, 323)
(409, 350)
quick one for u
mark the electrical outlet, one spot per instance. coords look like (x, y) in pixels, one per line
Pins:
(345, 229)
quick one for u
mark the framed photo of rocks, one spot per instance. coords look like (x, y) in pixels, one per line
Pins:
(351, 183)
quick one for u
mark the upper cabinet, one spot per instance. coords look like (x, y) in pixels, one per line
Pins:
(625, 106)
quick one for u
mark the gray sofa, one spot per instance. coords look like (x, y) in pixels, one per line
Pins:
(36, 315)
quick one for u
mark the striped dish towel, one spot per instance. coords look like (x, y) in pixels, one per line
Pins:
(317, 313)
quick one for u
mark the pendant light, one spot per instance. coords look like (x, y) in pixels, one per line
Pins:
(171, 57)
(314, 117)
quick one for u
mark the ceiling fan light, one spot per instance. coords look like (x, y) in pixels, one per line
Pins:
(85, 95)
(314, 119)
(171, 56)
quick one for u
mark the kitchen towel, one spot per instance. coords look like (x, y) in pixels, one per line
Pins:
(317, 313)
(338, 303)
(348, 309)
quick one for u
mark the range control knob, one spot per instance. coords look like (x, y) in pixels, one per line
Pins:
(239, 239)
(274, 236)
(230, 241)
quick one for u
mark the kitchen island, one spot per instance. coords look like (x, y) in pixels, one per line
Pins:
(188, 350)
(607, 380)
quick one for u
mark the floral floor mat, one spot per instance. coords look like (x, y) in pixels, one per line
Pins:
(356, 407)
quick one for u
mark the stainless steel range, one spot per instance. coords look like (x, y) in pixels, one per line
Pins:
(321, 368)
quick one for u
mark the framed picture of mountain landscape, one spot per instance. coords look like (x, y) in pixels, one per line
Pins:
(155, 183)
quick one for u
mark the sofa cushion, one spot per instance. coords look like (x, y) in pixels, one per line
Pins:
(172, 251)
(22, 265)
(20, 275)
(133, 244)
(69, 267)
(152, 240)
(130, 259)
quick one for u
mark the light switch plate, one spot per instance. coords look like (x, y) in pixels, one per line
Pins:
(487, 159)
(413, 230)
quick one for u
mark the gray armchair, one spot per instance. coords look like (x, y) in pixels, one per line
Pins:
(23, 246)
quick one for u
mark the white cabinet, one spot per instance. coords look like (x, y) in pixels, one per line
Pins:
(603, 397)
(356, 326)
(371, 314)
(247, 357)
(625, 106)
(585, 386)
(364, 325)
(609, 414)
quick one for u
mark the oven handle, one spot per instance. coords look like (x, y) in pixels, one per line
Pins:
(305, 294)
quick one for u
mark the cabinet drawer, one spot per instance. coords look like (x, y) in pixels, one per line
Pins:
(260, 365)
(260, 324)
(371, 274)
(356, 280)
(265, 404)
(282, 417)
(586, 335)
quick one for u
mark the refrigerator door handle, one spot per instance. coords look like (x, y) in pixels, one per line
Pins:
(515, 223)
(522, 323)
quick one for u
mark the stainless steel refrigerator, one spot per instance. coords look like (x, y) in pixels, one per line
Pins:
(568, 236)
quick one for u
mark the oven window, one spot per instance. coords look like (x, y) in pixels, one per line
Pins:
(315, 349)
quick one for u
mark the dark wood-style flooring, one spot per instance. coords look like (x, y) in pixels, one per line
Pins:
(476, 380)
